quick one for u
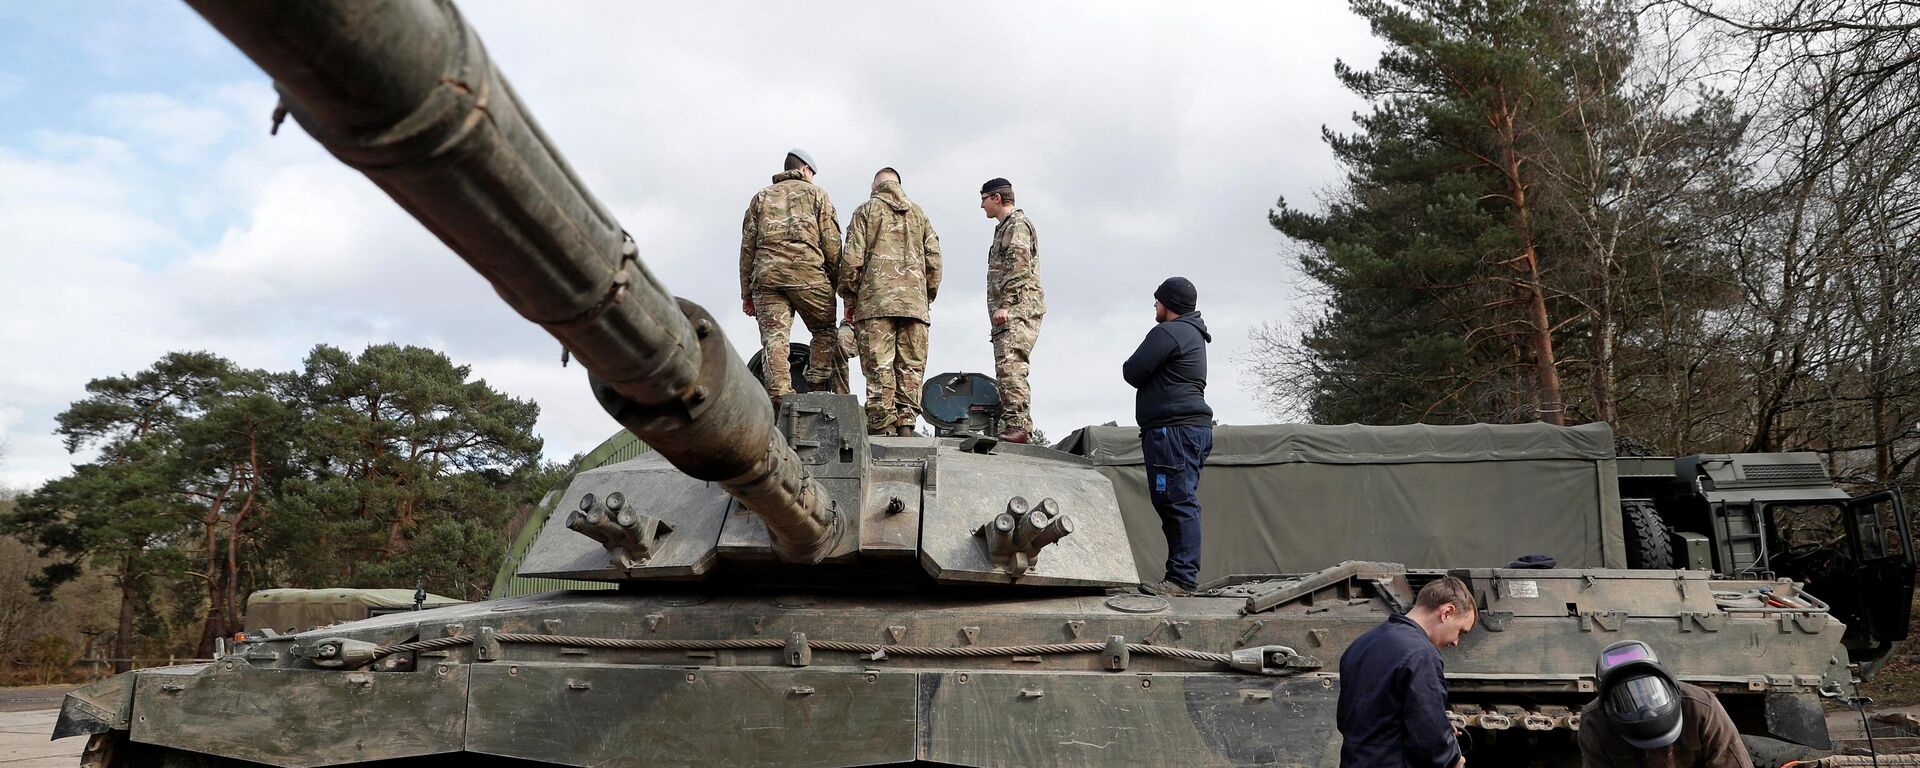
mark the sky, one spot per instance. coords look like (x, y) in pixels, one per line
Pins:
(145, 209)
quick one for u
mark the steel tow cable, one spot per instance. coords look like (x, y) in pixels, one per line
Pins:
(969, 651)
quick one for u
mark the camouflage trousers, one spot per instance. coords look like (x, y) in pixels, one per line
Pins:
(1012, 348)
(893, 355)
(776, 307)
(845, 347)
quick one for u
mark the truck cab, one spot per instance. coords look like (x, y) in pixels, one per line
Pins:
(1777, 515)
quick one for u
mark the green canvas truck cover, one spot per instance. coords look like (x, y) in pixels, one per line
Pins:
(1294, 498)
(297, 610)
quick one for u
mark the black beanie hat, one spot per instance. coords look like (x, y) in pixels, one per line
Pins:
(993, 184)
(1178, 295)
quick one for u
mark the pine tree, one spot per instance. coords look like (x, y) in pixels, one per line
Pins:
(1431, 257)
(406, 467)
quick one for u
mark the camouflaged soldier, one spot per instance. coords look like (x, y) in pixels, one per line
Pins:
(889, 274)
(1015, 305)
(789, 252)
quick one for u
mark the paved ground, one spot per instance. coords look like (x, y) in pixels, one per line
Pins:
(26, 698)
(24, 744)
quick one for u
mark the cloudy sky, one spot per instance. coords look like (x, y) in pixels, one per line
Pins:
(144, 208)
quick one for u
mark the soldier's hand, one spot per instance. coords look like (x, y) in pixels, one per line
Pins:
(849, 313)
(999, 317)
(746, 305)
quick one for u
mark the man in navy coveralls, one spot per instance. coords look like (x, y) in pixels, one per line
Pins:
(1393, 699)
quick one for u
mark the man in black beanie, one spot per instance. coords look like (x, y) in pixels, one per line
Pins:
(1176, 426)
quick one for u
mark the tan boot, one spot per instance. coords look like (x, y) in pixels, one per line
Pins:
(1015, 435)
(903, 431)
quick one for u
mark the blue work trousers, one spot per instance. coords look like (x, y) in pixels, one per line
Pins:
(1174, 456)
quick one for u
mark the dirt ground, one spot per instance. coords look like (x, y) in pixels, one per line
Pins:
(1898, 682)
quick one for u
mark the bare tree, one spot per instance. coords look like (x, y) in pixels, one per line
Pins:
(1823, 242)
(1279, 372)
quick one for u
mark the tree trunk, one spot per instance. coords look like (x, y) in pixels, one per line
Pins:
(1549, 407)
(214, 624)
(123, 631)
(1603, 331)
(216, 620)
(234, 609)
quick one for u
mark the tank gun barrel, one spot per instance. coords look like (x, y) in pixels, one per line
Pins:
(404, 92)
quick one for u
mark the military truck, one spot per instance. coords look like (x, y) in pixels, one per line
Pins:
(1779, 514)
(792, 591)
(1484, 495)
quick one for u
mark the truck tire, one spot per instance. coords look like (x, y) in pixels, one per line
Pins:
(1649, 543)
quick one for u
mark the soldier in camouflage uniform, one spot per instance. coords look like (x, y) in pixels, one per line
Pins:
(789, 252)
(1015, 305)
(889, 274)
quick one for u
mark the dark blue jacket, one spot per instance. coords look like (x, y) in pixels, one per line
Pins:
(1393, 700)
(1170, 372)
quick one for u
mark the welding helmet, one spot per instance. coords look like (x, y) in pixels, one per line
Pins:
(1637, 695)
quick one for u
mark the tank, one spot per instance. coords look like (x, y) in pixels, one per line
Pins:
(791, 591)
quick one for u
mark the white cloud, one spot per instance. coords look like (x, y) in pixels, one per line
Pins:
(175, 131)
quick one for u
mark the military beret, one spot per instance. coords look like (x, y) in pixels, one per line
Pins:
(804, 157)
(993, 184)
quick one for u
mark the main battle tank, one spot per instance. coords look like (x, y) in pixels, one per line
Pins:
(794, 592)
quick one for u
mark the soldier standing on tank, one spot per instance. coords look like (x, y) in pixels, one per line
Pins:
(889, 275)
(1015, 305)
(789, 252)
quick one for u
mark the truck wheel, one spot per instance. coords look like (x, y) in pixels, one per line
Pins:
(1649, 543)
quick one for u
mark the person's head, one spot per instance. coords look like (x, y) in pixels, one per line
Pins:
(1176, 296)
(799, 160)
(1445, 609)
(996, 198)
(883, 176)
(1638, 695)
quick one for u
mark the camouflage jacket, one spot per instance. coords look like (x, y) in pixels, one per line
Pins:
(790, 237)
(890, 266)
(1013, 268)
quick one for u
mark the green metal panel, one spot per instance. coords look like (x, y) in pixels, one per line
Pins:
(622, 446)
(611, 715)
(297, 717)
(995, 719)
